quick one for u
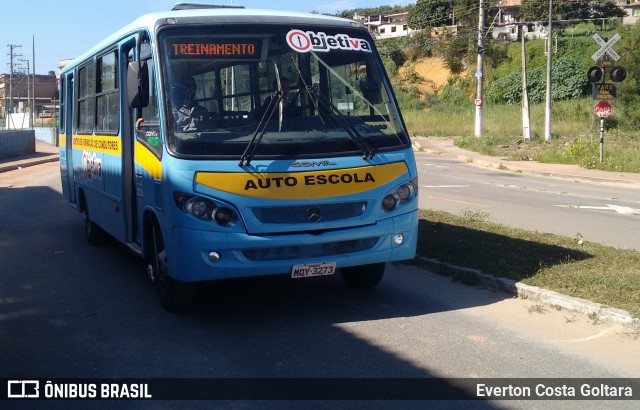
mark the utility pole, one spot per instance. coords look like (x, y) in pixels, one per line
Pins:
(11, 55)
(33, 60)
(547, 115)
(29, 109)
(526, 117)
(479, 71)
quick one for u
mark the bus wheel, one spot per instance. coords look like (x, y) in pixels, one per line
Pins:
(93, 233)
(364, 276)
(174, 295)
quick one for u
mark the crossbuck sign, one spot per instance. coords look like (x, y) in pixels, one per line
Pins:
(605, 47)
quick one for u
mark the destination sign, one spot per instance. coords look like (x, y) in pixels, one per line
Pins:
(215, 48)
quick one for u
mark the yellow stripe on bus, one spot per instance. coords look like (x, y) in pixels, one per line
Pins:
(147, 160)
(98, 143)
(302, 185)
(62, 140)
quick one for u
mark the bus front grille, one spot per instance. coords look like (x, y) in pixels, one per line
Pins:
(299, 214)
(310, 251)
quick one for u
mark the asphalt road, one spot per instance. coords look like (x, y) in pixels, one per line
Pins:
(71, 310)
(594, 212)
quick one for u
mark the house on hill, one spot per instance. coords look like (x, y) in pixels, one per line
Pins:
(384, 26)
(506, 24)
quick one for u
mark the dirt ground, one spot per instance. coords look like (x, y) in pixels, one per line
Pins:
(432, 70)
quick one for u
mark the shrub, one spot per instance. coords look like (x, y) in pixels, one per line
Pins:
(568, 80)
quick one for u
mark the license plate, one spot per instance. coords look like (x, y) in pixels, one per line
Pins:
(306, 270)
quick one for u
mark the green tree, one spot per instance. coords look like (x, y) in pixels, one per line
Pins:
(537, 10)
(465, 13)
(606, 9)
(454, 55)
(429, 13)
(629, 89)
(534, 10)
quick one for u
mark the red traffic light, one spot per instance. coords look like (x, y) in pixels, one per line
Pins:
(595, 74)
(617, 74)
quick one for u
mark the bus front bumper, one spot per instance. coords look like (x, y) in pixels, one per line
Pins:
(196, 255)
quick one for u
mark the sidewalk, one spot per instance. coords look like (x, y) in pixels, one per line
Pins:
(445, 147)
(44, 153)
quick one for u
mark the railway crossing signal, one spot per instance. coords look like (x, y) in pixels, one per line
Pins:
(596, 75)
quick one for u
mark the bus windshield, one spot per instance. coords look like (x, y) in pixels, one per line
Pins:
(299, 91)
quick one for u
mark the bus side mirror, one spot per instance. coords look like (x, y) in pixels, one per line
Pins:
(138, 84)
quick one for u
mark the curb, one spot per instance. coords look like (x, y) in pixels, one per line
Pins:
(27, 163)
(543, 296)
(548, 174)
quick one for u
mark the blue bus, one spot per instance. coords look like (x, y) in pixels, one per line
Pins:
(221, 142)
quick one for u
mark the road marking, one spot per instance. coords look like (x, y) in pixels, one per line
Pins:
(445, 186)
(624, 210)
(436, 166)
(459, 202)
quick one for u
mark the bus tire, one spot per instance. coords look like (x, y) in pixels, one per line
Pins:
(364, 276)
(174, 295)
(93, 233)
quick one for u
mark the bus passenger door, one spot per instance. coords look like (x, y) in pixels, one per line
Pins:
(143, 148)
(128, 140)
(67, 128)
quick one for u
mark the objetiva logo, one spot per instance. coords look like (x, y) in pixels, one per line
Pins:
(303, 42)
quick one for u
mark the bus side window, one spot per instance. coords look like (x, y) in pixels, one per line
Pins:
(150, 112)
(108, 98)
(149, 131)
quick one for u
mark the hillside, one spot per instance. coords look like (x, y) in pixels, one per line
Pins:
(432, 74)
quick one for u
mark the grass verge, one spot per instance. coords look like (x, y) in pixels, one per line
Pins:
(591, 271)
(575, 134)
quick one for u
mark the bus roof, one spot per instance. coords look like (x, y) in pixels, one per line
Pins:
(149, 22)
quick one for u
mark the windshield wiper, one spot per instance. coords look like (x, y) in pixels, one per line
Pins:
(334, 114)
(261, 129)
(338, 118)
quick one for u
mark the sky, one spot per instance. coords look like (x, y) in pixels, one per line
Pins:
(65, 29)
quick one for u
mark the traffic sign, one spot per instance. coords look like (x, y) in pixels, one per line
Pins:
(606, 47)
(602, 109)
(478, 102)
(605, 62)
(604, 91)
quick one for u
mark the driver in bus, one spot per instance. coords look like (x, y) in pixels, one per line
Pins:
(189, 115)
(289, 104)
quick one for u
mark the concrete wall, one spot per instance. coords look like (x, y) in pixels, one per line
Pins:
(17, 143)
(46, 134)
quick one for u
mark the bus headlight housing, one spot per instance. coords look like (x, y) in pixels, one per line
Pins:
(205, 209)
(402, 194)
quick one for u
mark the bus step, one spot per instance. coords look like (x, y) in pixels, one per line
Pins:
(135, 246)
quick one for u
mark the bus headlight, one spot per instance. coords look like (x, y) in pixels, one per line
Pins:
(198, 208)
(389, 202)
(225, 216)
(405, 192)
